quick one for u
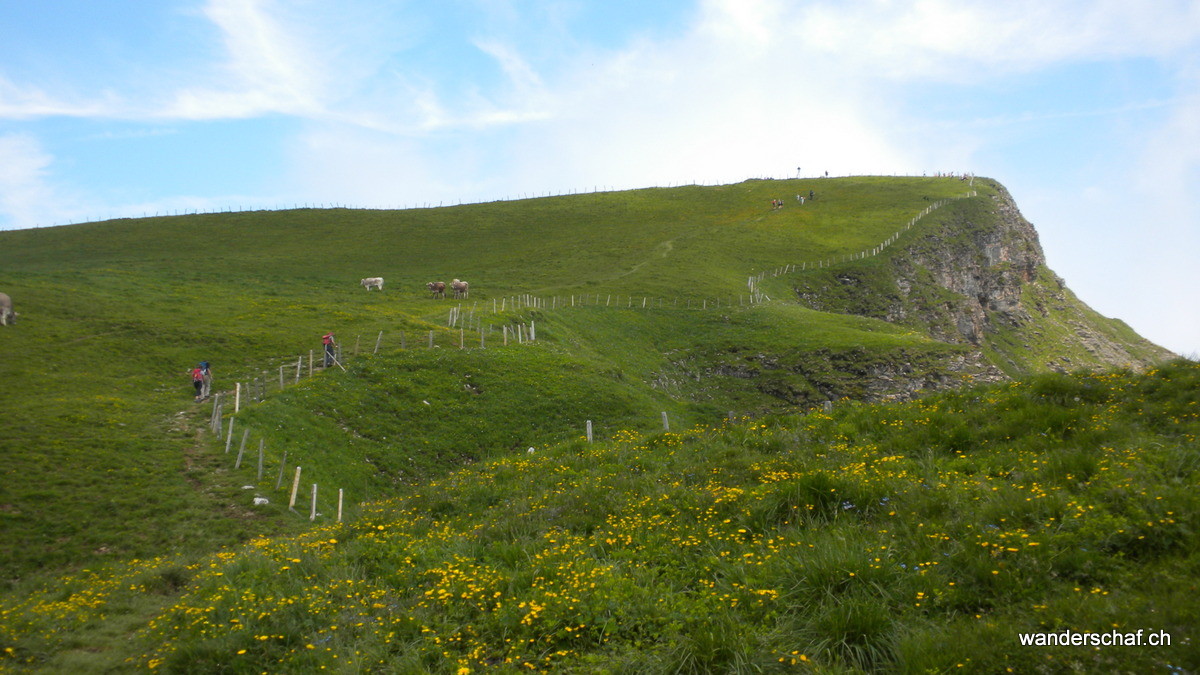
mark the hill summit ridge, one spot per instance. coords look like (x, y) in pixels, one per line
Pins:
(978, 276)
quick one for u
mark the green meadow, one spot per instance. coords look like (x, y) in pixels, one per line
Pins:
(482, 530)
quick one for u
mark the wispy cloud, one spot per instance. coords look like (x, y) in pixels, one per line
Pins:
(746, 88)
(268, 68)
(26, 196)
(964, 39)
(27, 102)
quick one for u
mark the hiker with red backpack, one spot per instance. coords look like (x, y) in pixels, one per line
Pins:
(198, 381)
(202, 380)
(330, 346)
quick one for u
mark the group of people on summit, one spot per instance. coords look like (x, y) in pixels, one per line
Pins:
(778, 203)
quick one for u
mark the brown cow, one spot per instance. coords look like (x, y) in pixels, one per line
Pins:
(438, 288)
(460, 288)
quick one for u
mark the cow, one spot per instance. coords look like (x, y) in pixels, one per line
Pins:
(372, 282)
(460, 288)
(437, 288)
(7, 315)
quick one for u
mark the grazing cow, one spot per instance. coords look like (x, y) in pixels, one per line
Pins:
(372, 282)
(438, 288)
(7, 315)
(460, 288)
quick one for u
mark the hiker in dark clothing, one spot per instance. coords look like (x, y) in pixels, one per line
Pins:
(198, 381)
(330, 346)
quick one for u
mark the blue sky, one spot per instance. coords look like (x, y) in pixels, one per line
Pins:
(1088, 111)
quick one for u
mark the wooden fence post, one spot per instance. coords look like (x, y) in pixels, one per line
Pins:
(589, 431)
(431, 339)
(310, 363)
(214, 421)
(313, 513)
(237, 397)
(666, 426)
(295, 487)
(242, 448)
(229, 436)
(340, 494)
(282, 464)
(377, 341)
(261, 444)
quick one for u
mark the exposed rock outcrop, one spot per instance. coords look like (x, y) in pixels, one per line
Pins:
(974, 272)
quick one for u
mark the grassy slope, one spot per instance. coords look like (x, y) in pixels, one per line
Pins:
(114, 313)
(917, 537)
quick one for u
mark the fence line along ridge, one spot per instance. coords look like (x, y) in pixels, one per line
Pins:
(756, 279)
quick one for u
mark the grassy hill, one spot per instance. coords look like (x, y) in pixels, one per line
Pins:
(643, 309)
(915, 537)
(113, 315)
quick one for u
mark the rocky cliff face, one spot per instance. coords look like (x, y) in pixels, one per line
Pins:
(974, 272)
(984, 259)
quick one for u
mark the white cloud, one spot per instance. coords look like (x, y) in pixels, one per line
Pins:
(26, 197)
(962, 40)
(22, 103)
(269, 68)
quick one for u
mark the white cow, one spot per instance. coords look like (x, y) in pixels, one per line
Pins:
(7, 315)
(372, 282)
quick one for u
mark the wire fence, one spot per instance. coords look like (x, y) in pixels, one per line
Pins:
(462, 320)
(276, 205)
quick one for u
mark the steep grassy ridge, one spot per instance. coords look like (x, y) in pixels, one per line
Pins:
(687, 241)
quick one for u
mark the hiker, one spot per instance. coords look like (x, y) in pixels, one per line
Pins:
(206, 390)
(330, 346)
(811, 196)
(198, 381)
